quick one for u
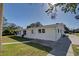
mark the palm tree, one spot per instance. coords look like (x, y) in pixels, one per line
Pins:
(1, 14)
(1, 7)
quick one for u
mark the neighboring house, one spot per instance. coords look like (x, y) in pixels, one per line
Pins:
(48, 32)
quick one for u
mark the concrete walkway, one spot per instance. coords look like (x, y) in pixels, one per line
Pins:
(14, 42)
(74, 39)
(70, 51)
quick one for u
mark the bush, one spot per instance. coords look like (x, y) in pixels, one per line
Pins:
(7, 32)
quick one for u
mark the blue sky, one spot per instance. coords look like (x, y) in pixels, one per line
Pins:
(25, 14)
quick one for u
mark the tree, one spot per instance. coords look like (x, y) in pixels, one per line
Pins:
(1, 20)
(1, 7)
(67, 30)
(37, 24)
(10, 28)
(65, 7)
(5, 23)
(76, 30)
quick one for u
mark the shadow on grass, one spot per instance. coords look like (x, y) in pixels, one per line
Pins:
(39, 46)
(36, 45)
(19, 38)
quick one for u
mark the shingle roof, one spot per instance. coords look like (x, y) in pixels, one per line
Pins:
(49, 26)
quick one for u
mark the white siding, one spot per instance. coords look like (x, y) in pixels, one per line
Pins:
(52, 33)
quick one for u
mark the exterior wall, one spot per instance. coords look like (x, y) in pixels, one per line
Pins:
(48, 35)
(60, 28)
(51, 33)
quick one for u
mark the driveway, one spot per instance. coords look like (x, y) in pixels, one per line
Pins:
(74, 39)
(61, 48)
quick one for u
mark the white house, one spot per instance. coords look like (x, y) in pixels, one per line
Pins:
(48, 32)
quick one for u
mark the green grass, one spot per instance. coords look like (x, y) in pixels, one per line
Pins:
(76, 50)
(7, 39)
(22, 49)
(28, 49)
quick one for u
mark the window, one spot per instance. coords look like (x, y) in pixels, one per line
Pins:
(24, 32)
(43, 30)
(58, 30)
(32, 31)
(39, 30)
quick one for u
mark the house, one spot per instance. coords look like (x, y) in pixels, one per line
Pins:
(48, 32)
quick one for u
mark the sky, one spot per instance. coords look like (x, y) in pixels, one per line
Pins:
(24, 14)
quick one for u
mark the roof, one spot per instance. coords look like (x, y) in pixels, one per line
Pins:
(49, 26)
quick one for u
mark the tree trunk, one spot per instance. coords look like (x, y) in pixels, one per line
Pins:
(1, 22)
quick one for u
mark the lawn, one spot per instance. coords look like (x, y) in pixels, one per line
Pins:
(7, 39)
(76, 49)
(28, 49)
(23, 49)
